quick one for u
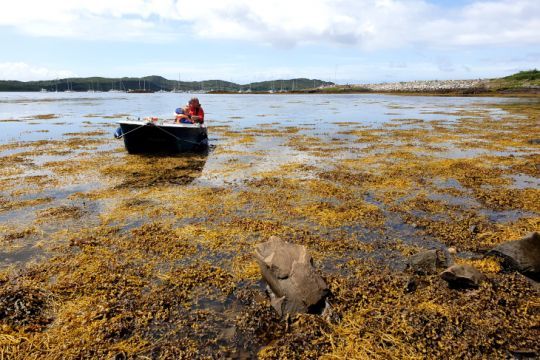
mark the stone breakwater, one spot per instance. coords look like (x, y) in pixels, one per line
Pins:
(426, 86)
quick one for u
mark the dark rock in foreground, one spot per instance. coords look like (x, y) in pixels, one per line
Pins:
(462, 276)
(427, 262)
(288, 270)
(521, 255)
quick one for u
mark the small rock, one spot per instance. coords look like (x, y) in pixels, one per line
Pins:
(228, 333)
(411, 286)
(462, 276)
(521, 255)
(329, 314)
(452, 250)
(427, 262)
(295, 287)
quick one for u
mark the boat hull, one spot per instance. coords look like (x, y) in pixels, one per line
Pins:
(156, 138)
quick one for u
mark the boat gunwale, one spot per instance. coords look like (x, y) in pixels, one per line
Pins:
(161, 124)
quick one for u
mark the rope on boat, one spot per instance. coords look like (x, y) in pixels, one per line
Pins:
(176, 137)
(130, 131)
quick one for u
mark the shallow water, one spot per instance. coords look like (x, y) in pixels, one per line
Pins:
(75, 111)
(251, 136)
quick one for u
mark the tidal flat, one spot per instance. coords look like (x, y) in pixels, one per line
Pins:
(110, 255)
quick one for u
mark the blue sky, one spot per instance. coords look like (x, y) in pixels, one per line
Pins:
(348, 41)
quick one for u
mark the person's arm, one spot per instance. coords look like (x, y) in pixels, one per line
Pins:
(180, 117)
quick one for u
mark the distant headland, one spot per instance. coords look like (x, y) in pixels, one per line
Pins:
(522, 83)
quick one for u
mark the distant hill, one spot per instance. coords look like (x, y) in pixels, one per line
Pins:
(156, 83)
(520, 81)
(530, 75)
(286, 85)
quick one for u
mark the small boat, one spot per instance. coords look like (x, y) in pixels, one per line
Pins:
(141, 90)
(153, 135)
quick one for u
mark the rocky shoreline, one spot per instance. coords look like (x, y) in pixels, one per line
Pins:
(428, 85)
(524, 83)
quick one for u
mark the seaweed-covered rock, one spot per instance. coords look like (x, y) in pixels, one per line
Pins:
(288, 269)
(462, 276)
(521, 255)
(23, 306)
(427, 262)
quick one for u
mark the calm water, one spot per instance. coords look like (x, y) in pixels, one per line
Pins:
(75, 111)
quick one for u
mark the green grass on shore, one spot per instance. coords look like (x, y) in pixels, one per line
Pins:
(521, 80)
(530, 75)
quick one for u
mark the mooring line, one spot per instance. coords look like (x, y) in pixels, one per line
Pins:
(130, 131)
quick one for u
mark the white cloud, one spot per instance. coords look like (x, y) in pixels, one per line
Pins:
(27, 72)
(369, 24)
(91, 20)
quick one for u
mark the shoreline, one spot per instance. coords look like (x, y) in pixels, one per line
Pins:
(395, 93)
(529, 94)
(524, 83)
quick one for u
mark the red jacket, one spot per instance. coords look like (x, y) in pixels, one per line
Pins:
(197, 112)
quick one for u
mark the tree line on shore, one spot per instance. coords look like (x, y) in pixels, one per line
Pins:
(158, 83)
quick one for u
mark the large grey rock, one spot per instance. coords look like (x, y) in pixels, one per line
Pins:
(288, 269)
(462, 276)
(427, 262)
(521, 255)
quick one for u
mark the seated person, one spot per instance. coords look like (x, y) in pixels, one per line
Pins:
(193, 113)
(182, 116)
(196, 112)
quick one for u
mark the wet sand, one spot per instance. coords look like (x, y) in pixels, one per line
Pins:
(106, 254)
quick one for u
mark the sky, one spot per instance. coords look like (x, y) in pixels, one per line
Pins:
(343, 41)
